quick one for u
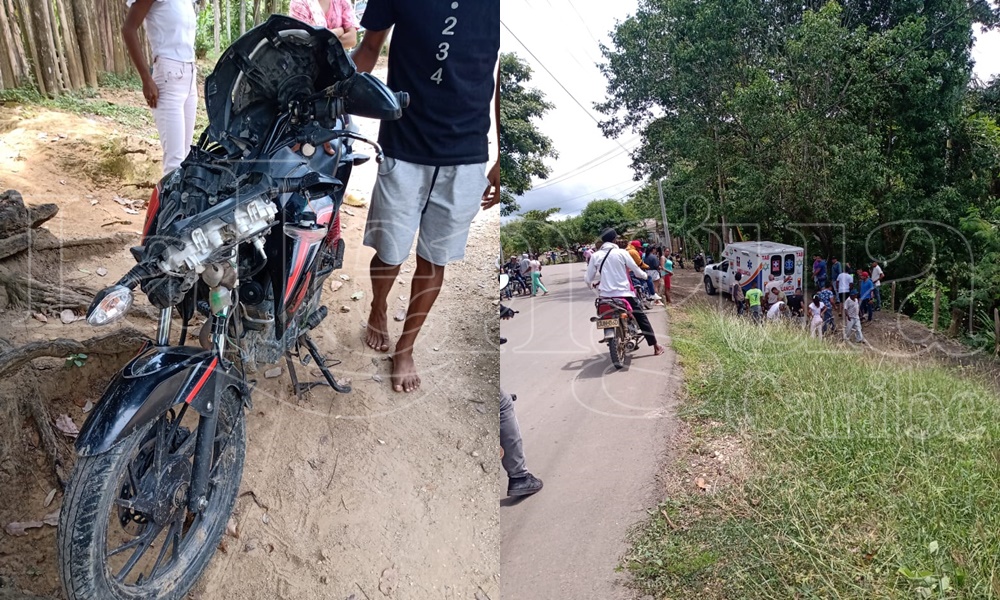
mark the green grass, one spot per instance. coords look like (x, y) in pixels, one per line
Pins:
(83, 102)
(868, 478)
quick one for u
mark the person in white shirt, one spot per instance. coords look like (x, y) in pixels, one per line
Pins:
(852, 317)
(535, 268)
(171, 86)
(877, 276)
(608, 271)
(777, 311)
(844, 282)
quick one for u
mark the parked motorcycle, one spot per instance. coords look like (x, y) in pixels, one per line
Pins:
(621, 330)
(241, 234)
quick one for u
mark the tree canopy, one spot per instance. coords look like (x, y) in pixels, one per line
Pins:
(523, 148)
(850, 127)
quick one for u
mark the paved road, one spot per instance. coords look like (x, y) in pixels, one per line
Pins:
(595, 436)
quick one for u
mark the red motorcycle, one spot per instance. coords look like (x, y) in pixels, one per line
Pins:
(621, 330)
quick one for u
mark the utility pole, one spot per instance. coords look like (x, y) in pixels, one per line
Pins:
(663, 211)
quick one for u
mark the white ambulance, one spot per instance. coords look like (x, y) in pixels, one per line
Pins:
(766, 264)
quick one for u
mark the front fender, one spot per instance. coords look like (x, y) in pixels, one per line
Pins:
(152, 382)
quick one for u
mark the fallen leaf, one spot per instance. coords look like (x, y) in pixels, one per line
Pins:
(265, 519)
(336, 285)
(130, 211)
(701, 483)
(231, 529)
(89, 406)
(21, 529)
(67, 316)
(377, 378)
(400, 315)
(349, 212)
(357, 296)
(51, 519)
(40, 317)
(50, 498)
(272, 373)
(101, 271)
(93, 202)
(122, 201)
(345, 277)
(66, 425)
(345, 309)
(84, 271)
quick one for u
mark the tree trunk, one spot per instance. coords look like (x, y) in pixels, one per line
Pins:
(33, 49)
(218, 26)
(71, 46)
(257, 10)
(51, 32)
(83, 20)
(229, 23)
(20, 62)
(243, 17)
(7, 58)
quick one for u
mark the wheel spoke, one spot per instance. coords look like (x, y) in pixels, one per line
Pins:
(139, 552)
(128, 545)
(167, 542)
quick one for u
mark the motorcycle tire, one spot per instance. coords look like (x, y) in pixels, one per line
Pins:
(92, 515)
(616, 346)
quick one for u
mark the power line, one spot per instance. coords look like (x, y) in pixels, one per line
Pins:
(614, 185)
(556, 79)
(579, 170)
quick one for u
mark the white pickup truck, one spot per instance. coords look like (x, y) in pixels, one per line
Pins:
(766, 264)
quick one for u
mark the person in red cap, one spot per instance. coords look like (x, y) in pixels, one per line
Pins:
(867, 289)
(634, 250)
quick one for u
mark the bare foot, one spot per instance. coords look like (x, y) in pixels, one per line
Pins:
(404, 373)
(658, 350)
(377, 332)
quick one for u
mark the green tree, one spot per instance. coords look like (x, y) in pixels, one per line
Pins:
(601, 214)
(523, 148)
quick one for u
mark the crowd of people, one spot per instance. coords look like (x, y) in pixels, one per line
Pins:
(837, 293)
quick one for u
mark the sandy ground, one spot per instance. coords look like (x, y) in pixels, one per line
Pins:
(368, 495)
(597, 437)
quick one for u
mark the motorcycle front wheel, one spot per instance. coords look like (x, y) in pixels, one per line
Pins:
(125, 532)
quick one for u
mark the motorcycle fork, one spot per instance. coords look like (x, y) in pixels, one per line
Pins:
(208, 424)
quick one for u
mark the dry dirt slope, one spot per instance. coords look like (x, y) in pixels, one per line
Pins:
(373, 494)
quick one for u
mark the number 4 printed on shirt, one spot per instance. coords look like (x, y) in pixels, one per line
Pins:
(444, 47)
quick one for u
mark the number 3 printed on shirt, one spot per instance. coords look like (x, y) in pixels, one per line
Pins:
(444, 47)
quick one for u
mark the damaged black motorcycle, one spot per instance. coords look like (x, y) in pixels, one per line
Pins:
(240, 233)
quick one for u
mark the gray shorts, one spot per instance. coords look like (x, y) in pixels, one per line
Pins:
(440, 202)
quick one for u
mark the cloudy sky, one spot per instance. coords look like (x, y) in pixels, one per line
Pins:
(559, 39)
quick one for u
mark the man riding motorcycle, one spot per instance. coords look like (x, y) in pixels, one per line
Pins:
(608, 271)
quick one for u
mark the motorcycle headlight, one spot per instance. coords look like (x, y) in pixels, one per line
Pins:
(110, 305)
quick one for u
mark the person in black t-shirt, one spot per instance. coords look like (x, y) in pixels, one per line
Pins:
(434, 178)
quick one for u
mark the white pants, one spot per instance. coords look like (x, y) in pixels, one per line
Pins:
(816, 327)
(854, 325)
(174, 114)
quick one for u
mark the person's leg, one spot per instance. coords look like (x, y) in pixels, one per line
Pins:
(878, 297)
(169, 112)
(644, 325)
(541, 285)
(510, 439)
(425, 287)
(397, 199)
(190, 105)
(452, 201)
(534, 283)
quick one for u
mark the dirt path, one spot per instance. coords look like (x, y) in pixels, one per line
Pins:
(368, 495)
(596, 436)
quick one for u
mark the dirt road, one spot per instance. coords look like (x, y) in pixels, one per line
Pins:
(595, 436)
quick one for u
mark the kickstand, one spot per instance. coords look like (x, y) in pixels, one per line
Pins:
(321, 363)
(299, 388)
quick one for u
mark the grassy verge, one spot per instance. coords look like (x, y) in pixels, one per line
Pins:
(83, 102)
(868, 479)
